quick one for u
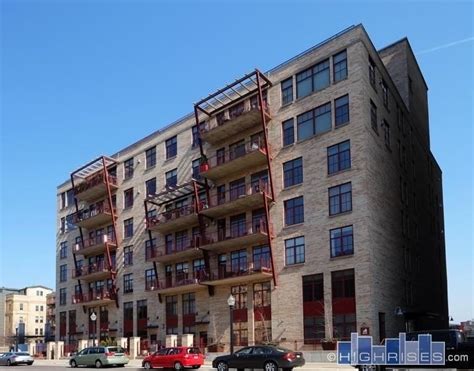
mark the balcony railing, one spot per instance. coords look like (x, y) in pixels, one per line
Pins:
(183, 248)
(93, 245)
(95, 186)
(93, 297)
(233, 120)
(98, 213)
(172, 218)
(236, 159)
(179, 281)
(92, 269)
(235, 273)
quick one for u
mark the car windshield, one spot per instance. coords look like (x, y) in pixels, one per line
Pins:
(282, 350)
(22, 354)
(116, 349)
(193, 351)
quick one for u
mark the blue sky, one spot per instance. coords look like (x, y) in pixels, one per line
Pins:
(84, 78)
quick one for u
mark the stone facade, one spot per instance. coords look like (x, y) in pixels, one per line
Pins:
(396, 214)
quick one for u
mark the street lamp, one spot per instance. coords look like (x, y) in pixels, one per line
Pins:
(93, 318)
(231, 303)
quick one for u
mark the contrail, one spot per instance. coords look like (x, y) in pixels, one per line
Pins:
(446, 45)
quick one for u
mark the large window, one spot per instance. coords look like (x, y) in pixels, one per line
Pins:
(63, 273)
(128, 198)
(293, 172)
(150, 248)
(287, 91)
(128, 256)
(240, 295)
(150, 186)
(150, 279)
(343, 288)
(128, 168)
(172, 178)
(196, 170)
(128, 319)
(62, 296)
(195, 134)
(385, 93)
(313, 79)
(128, 283)
(189, 303)
(340, 66)
(238, 261)
(63, 250)
(343, 284)
(386, 130)
(128, 228)
(294, 250)
(314, 122)
(294, 211)
(288, 132)
(342, 241)
(142, 317)
(150, 157)
(373, 116)
(339, 157)
(342, 110)
(172, 147)
(340, 199)
(261, 257)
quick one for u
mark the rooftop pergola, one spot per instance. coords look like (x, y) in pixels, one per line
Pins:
(92, 167)
(175, 193)
(237, 90)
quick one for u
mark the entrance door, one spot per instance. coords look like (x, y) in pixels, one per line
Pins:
(202, 340)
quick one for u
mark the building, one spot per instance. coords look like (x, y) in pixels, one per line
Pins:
(50, 327)
(309, 192)
(25, 315)
(4, 291)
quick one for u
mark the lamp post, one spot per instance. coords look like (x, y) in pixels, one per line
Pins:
(231, 303)
(16, 339)
(93, 318)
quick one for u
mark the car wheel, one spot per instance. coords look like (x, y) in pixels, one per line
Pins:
(73, 363)
(147, 366)
(98, 364)
(270, 366)
(222, 366)
(178, 366)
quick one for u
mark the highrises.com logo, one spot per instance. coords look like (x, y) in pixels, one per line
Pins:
(361, 351)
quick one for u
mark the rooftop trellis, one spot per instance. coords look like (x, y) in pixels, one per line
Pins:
(93, 166)
(174, 193)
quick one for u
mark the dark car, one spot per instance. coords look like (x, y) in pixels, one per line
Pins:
(453, 339)
(270, 358)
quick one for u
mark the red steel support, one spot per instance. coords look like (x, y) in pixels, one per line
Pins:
(269, 234)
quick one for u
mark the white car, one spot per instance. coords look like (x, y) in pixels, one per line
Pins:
(16, 358)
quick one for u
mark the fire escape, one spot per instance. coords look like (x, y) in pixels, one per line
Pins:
(95, 185)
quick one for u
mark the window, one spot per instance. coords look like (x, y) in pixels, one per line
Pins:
(373, 116)
(172, 305)
(386, 129)
(343, 287)
(294, 250)
(385, 93)
(340, 66)
(261, 257)
(128, 228)
(313, 308)
(127, 256)
(195, 135)
(342, 110)
(128, 168)
(196, 169)
(63, 273)
(343, 284)
(150, 186)
(240, 295)
(128, 283)
(293, 172)
(63, 250)
(171, 147)
(340, 199)
(287, 91)
(342, 241)
(150, 155)
(62, 227)
(62, 296)
(294, 211)
(63, 200)
(189, 303)
(238, 225)
(70, 222)
(237, 188)
(128, 319)
(313, 79)
(288, 132)
(172, 178)
(150, 279)
(21, 306)
(128, 198)
(142, 318)
(238, 261)
(314, 122)
(70, 197)
(339, 157)
(372, 72)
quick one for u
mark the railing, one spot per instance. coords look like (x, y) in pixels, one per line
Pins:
(151, 284)
(91, 269)
(236, 270)
(172, 248)
(230, 194)
(181, 279)
(169, 215)
(93, 210)
(233, 112)
(91, 242)
(233, 154)
(50, 301)
(92, 296)
(94, 180)
(236, 230)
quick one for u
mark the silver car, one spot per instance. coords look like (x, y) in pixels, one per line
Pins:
(15, 358)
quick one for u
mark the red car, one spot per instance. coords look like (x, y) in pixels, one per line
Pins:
(176, 357)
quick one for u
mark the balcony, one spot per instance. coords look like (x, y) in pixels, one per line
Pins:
(248, 234)
(93, 272)
(178, 250)
(97, 245)
(235, 199)
(181, 282)
(94, 298)
(233, 121)
(95, 187)
(236, 160)
(251, 272)
(175, 219)
(96, 215)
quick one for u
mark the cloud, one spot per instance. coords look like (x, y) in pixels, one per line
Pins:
(444, 46)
